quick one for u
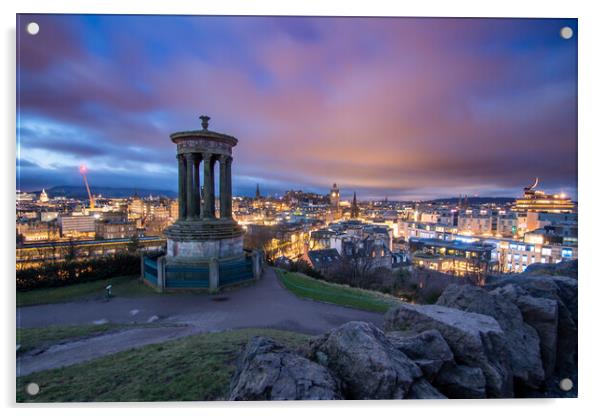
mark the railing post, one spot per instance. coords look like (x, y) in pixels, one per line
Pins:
(142, 266)
(161, 273)
(213, 275)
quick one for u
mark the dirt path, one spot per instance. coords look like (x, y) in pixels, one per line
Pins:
(266, 305)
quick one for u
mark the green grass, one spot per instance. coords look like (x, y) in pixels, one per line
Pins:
(307, 287)
(123, 286)
(34, 338)
(199, 367)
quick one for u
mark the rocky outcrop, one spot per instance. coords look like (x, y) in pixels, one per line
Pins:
(269, 371)
(542, 315)
(517, 336)
(427, 349)
(522, 341)
(367, 363)
(461, 382)
(565, 268)
(476, 340)
(424, 390)
(561, 290)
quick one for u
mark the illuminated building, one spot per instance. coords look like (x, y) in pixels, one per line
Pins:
(111, 229)
(77, 226)
(335, 197)
(136, 208)
(476, 222)
(410, 229)
(516, 256)
(538, 201)
(38, 231)
(452, 257)
(43, 197)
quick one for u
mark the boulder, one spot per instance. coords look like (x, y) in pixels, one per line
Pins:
(542, 315)
(561, 289)
(461, 382)
(359, 354)
(424, 390)
(269, 371)
(522, 340)
(564, 268)
(476, 340)
(428, 349)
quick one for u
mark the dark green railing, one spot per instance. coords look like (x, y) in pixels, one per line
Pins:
(186, 277)
(235, 272)
(150, 270)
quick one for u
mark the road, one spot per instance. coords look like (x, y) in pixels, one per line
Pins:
(266, 304)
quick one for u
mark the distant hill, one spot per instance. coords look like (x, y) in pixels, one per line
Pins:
(80, 192)
(477, 200)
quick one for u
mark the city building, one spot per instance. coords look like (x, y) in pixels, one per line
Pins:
(43, 197)
(115, 229)
(324, 260)
(77, 226)
(335, 197)
(539, 201)
(477, 222)
(452, 257)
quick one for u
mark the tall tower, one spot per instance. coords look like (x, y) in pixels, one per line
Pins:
(257, 193)
(335, 197)
(355, 210)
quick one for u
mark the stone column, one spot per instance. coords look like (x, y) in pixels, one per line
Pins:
(209, 182)
(228, 211)
(197, 187)
(189, 186)
(223, 187)
(181, 187)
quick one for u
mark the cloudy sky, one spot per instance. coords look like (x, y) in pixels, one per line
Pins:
(399, 107)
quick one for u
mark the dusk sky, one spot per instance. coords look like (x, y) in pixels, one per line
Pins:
(408, 108)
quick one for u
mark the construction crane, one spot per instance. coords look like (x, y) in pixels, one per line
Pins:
(83, 170)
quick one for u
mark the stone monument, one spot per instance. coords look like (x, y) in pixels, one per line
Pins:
(204, 246)
(201, 233)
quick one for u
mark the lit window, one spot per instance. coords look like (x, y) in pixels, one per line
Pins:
(567, 253)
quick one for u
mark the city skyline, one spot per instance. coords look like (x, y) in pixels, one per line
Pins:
(404, 108)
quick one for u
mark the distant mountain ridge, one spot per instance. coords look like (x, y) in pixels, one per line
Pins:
(105, 191)
(476, 200)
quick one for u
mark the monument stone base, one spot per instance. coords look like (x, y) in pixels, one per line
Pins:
(199, 251)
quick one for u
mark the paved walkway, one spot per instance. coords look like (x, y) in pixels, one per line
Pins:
(265, 304)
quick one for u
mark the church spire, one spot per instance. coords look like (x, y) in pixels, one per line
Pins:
(354, 208)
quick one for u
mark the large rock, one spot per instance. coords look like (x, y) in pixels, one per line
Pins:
(428, 349)
(476, 340)
(565, 268)
(561, 289)
(461, 382)
(522, 340)
(422, 390)
(359, 354)
(269, 371)
(541, 314)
